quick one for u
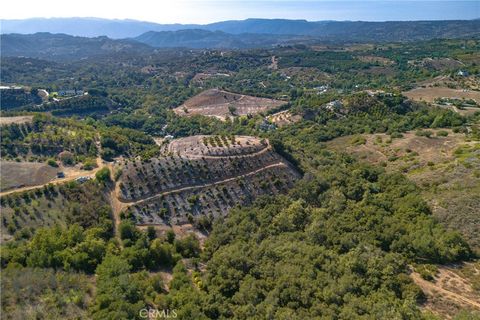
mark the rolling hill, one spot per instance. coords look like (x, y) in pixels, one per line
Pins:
(62, 47)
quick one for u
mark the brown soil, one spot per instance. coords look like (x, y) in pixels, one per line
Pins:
(449, 292)
(24, 174)
(17, 120)
(216, 103)
(30, 175)
(194, 147)
(429, 94)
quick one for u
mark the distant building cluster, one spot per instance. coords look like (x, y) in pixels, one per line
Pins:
(334, 105)
(13, 88)
(70, 92)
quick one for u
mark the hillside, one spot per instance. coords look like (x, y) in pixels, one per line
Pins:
(195, 38)
(332, 191)
(201, 177)
(200, 38)
(61, 47)
(445, 165)
(25, 212)
(222, 104)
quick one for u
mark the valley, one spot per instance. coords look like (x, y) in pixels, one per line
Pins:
(237, 171)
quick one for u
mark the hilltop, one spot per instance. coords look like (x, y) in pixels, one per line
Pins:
(222, 104)
(62, 47)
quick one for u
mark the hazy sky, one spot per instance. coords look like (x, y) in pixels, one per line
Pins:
(198, 11)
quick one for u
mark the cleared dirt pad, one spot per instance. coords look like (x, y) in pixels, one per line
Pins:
(197, 146)
(429, 94)
(17, 120)
(222, 104)
(20, 174)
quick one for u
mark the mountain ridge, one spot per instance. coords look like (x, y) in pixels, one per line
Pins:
(118, 29)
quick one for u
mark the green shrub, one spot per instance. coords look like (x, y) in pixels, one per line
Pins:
(52, 163)
(423, 133)
(358, 140)
(103, 175)
(89, 164)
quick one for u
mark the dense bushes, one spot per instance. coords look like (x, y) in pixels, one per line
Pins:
(337, 247)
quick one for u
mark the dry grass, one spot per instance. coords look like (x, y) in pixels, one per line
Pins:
(449, 180)
(429, 94)
(454, 288)
(17, 120)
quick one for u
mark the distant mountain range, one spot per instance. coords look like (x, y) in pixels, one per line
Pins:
(143, 37)
(351, 30)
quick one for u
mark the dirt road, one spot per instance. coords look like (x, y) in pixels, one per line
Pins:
(434, 290)
(122, 205)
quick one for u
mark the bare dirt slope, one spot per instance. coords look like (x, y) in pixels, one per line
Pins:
(20, 174)
(454, 288)
(222, 104)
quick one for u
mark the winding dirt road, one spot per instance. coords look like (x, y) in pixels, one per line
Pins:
(125, 204)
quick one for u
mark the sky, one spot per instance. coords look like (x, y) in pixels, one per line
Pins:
(200, 11)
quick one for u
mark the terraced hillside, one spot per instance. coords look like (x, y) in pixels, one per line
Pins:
(222, 104)
(201, 176)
